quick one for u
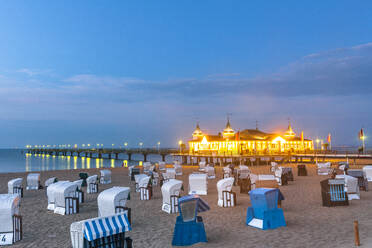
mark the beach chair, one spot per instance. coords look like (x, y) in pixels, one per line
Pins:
(170, 174)
(92, 233)
(105, 177)
(211, 173)
(324, 168)
(15, 186)
(226, 198)
(50, 181)
(264, 213)
(202, 165)
(83, 176)
(198, 184)
(189, 228)
(146, 167)
(343, 165)
(351, 186)
(280, 177)
(227, 172)
(92, 182)
(178, 169)
(79, 192)
(155, 178)
(301, 170)
(368, 172)
(133, 171)
(145, 188)
(171, 192)
(137, 179)
(66, 201)
(33, 181)
(162, 166)
(242, 175)
(288, 172)
(50, 192)
(333, 193)
(362, 179)
(10, 219)
(113, 200)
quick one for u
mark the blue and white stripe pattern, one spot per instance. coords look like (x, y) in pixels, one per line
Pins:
(106, 226)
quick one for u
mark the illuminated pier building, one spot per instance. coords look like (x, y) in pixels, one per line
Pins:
(248, 141)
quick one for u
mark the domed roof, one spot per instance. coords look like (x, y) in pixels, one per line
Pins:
(197, 131)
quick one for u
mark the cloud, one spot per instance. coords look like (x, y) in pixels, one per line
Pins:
(33, 72)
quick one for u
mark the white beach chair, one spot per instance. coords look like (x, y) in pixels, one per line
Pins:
(50, 191)
(11, 221)
(278, 175)
(202, 165)
(274, 166)
(155, 178)
(145, 188)
(178, 169)
(50, 181)
(146, 167)
(112, 201)
(171, 174)
(33, 181)
(226, 172)
(351, 186)
(226, 198)
(254, 179)
(66, 200)
(162, 166)
(83, 233)
(92, 183)
(80, 192)
(137, 179)
(324, 168)
(171, 192)
(211, 174)
(198, 184)
(105, 177)
(15, 186)
(368, 172)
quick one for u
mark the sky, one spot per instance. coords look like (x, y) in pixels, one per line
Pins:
(109, 72)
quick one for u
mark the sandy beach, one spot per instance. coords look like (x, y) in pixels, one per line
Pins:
(308, 223)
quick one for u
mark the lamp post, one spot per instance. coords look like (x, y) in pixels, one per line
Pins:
(180, 144)
(141, 144)
(126, 145)
(159, 146)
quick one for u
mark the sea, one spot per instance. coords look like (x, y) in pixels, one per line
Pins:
(18, 160)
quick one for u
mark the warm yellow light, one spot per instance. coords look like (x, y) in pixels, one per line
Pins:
(317, 140)
(204, 141)
(279, 139)
(180, 142)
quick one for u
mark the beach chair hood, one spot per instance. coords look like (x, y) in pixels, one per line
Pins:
(224, 185)
(172, 187)
(111, 198)
(16, 182)
(198, 184)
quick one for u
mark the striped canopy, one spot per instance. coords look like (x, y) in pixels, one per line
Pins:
(106, 226)
(201, 204)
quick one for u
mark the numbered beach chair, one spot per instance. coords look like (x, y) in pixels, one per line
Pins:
(162, 166)
(264, 213)
(92, 182)
(202, 165)
(145, 188)
(324, 168)
(101, 232)
(113, 200)
(226, 198)
(11, 221)
(105, 177)
(15, 186)
(333, 193)
(211, 173)
(362, 179)
(33, 181)
(171, 192)
(301, 170)
(198, 184)
(368, 172)
(189, 228)
(137, 179)
(66, 201)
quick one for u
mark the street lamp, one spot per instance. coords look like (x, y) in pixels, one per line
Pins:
(125, 145)
(317, 143)
(141, 144)
(158, 146)
(180, 144)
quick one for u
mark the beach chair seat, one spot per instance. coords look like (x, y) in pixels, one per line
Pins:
(211, 173)
(10, 219)
(15, 186)
(92, 182)
(333, 193)
(264, 213)
(171, 192)
(162, 166)
(324, 168)
(226, 198)
(145, 188)
(33, 181)
(84, 234)
(198, 184)
(189, 228)
(105, 177)
(113, 200)
(202, 165)
(368, 172)
(362, 179)
(301, 170)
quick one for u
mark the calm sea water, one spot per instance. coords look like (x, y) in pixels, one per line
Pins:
(17, 160)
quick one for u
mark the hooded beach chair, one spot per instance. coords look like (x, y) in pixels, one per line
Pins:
(50, 181)
(227, 172)
(162, 166)
(288, 172)
(280, 176)
(171, 192)
(226, 198)
(105, 177)
(189, 228)
(211, 173)
(274, 166)
(368, 172)
(202, 165)
(33, 181)
(198, 184)
(146, 167)
(50, 191)
(166, 176)
(66, 200)
(92, 182)
(10, 220)
(264, 213)
(351, 186)
(301, 170)
(137, 179)
(113, 200)
(15, 186)
(178, 169)
(101, 232)
(324, 168)
(362, 179)
(333, 193)
(145, 188)
(242, 175)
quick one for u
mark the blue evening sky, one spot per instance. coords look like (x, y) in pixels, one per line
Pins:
(74, 72)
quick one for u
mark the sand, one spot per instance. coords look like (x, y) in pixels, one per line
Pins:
(308, 223)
